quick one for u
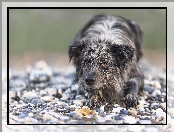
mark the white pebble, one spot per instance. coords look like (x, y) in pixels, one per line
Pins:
(157, 85)
(156, 92)
(129, 119)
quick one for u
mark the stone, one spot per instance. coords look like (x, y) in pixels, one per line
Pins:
(74, 87)
(133, 111)
(124, 112)
(28, 96)
(157, 85)
(79, 102)
(37, 101)
(156, 92)
(117, 117)
(80, 97)
(144, 122)
(51, 90)
(64, 118)
(149, 89)
(54, 101)
(23, 114)
(129, 120)
(43, 93)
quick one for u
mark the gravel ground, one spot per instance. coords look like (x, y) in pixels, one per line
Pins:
(41, 94)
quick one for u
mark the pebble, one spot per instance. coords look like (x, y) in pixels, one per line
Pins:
(80, 97)
(12, 94)
(41, 65)
(133, 111)
(145, 117)
(116, 110)
(43, 93)
(156, 92)
(47, 96)
(39, 76)
(72, 107)
(100, 120)
(154, 105)
(117, 117)
(30, 114)
(149, 89)
(66, 95)
(23, 114)
(64, 118)
(159, 110)
(144, 122)
(51, 91)
(74, 87)
(124, 112)
(102, 113)
(163, 105)
(28, 96)
(157, 85)
(17, 85)
(76, 115)
(85, 111)
(79, 102)
(129, 120)
(37, 101)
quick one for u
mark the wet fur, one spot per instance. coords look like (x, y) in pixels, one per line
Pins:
(109, 48)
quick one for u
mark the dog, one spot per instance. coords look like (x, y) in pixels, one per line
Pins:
(105, 53)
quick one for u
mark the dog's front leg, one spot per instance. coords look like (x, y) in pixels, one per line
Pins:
(133, 87)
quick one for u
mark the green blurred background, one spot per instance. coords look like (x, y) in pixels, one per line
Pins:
(45, 34)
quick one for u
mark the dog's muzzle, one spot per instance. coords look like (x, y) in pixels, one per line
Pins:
(90, 79)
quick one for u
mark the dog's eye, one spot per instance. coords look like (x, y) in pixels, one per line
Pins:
(104, 64)
(86, 62)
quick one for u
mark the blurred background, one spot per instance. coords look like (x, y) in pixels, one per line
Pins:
(45, 34)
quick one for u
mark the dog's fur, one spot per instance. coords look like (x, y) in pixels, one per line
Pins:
(107, 49)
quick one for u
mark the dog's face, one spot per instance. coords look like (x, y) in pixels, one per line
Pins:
(96, 66)
(99, 65)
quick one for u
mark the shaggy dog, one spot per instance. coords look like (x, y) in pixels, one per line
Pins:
(105, 53)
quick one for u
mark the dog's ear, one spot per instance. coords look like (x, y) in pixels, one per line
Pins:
(137, 37)
(75, 50)
(122, 54)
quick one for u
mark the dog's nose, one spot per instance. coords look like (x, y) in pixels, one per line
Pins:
(90, 80)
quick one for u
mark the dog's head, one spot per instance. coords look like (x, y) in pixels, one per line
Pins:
(104, 51)
(101, 64)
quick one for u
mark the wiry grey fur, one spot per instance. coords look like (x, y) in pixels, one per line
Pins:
(107, 49)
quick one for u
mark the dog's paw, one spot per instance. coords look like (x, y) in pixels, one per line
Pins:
(131, 100)
(93, 103)
(108, 107)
